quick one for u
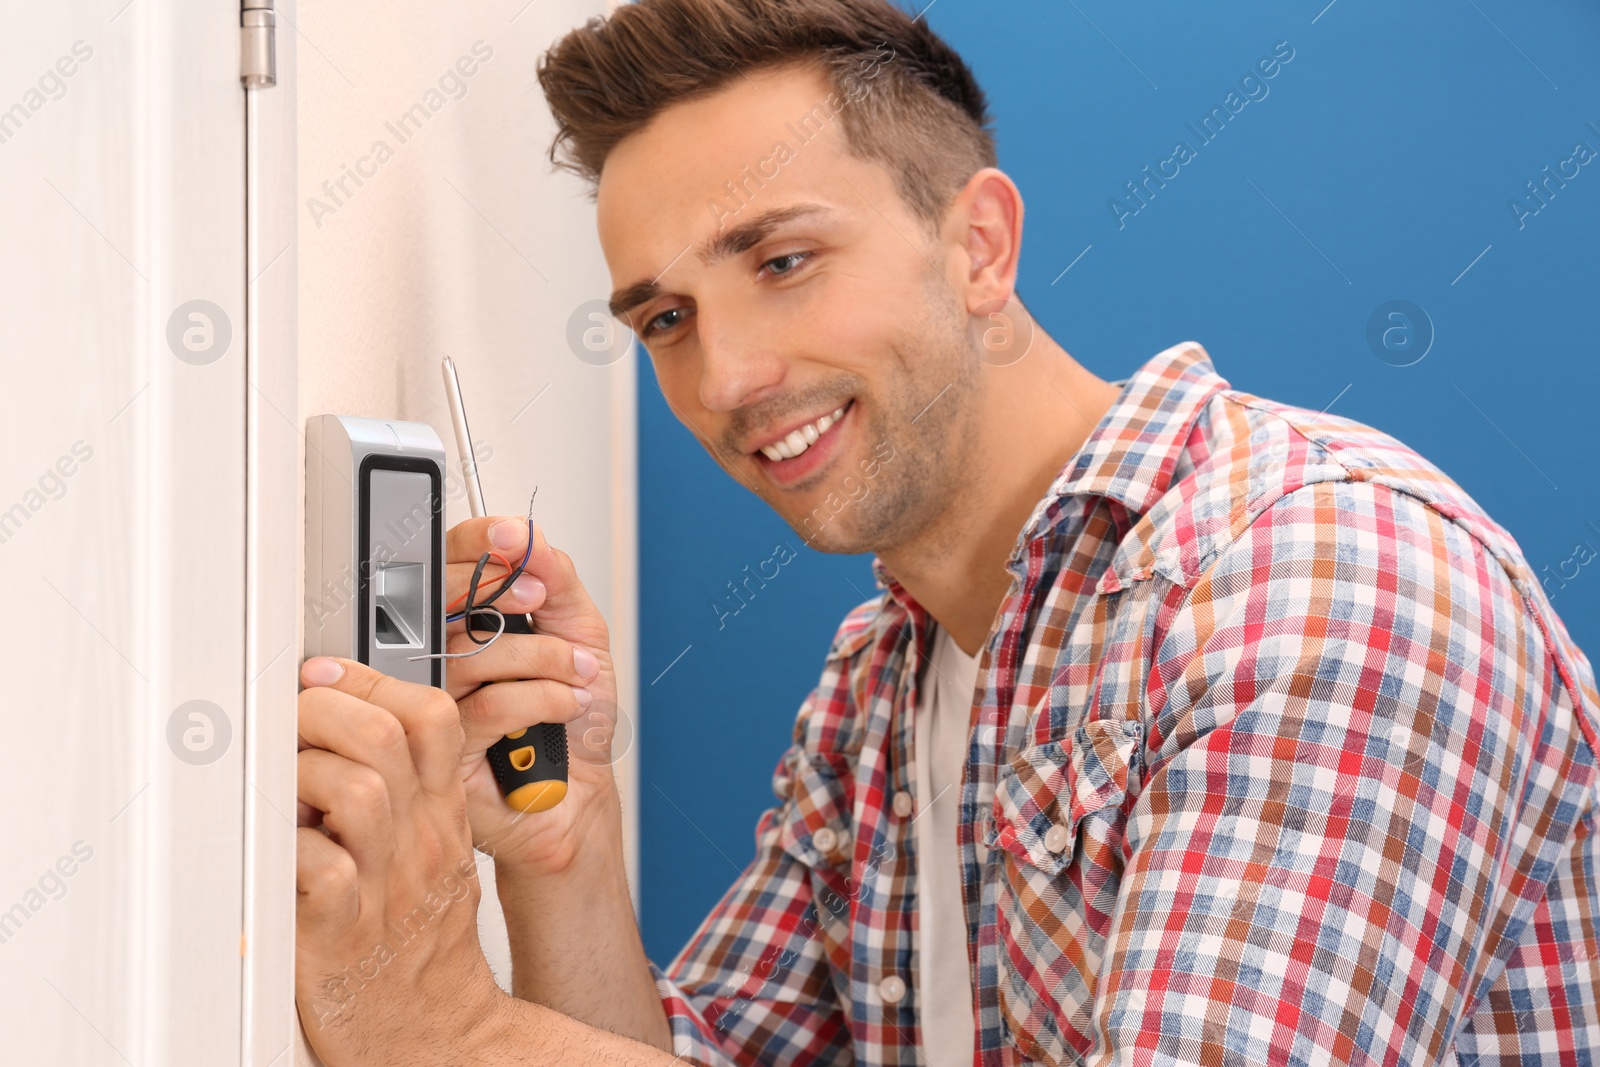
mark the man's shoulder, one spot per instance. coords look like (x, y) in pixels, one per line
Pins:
(1272, 474)
(1248, 454)
(827, 722)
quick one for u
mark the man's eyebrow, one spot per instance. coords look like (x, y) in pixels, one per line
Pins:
(739, 239)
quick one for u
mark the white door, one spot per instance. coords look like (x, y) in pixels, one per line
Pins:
(135, 412)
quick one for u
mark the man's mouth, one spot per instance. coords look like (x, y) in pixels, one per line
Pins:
(802, 448)
(797, 440)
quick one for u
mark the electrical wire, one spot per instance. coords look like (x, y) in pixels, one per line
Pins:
(506, 583)
(482, 645)
(475, 606)
(499, 558)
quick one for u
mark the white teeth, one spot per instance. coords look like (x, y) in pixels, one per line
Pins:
(803, 438)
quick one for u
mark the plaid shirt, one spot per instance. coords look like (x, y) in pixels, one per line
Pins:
(1279, 754)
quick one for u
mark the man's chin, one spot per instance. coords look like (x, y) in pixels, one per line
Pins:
(837, 535)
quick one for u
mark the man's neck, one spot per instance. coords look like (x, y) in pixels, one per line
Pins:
(1036, 414)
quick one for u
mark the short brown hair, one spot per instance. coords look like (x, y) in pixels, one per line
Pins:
(914, 106)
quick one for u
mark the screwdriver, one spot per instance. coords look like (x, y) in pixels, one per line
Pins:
(529, 765)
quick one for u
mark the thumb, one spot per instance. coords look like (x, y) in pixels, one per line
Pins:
(567, 611)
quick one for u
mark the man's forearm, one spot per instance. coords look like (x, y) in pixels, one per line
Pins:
(515, 1033)
(575, 942)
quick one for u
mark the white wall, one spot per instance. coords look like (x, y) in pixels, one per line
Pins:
(462, 242)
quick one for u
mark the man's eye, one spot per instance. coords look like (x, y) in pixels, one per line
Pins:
(663, 321)
(788, 263)
(778, 266)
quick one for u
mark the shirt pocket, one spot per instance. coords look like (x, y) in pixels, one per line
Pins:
(1058, 823)
(1046, 792)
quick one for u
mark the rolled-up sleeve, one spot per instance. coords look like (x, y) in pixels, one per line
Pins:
(694, 1037)
(753, 985)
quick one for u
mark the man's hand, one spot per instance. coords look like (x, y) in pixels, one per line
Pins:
(575, 943)
(388, 968)
(561, 674)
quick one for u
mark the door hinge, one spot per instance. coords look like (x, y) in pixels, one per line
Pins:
(258, 57)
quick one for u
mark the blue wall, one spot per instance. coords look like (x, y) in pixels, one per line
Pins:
(1380, 164)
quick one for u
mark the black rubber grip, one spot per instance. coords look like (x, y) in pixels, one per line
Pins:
(548, 741)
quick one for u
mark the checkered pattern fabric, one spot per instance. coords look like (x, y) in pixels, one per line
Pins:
(1279, 754)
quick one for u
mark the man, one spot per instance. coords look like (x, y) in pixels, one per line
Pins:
(1187, 728)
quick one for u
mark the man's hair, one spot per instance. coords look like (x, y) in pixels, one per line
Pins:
(907, 100)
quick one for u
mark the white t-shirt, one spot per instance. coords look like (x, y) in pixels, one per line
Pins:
(944, 986)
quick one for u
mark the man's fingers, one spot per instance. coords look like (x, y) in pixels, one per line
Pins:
(354, 801)
(325, 876)
(466, 541)
(526, 594)
(506, 707)
(428, 718)
(520, 680)
(517, 656)
(358, 731)
(565, 596)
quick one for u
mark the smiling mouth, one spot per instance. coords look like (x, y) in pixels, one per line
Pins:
(799, 440)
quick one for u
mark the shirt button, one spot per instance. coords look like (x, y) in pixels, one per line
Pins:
(892, 988)
(824, 840)
(844, 838)
(902, 803)
(1055, 838)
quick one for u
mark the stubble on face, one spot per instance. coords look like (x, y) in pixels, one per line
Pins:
(923, 416)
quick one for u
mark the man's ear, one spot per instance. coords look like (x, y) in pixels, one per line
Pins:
(986, 216)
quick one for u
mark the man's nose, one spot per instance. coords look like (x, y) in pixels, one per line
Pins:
(740, 364)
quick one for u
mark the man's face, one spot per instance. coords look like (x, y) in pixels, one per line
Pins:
(796, 312)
